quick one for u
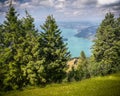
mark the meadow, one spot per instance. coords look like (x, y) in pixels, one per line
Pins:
(98, 86)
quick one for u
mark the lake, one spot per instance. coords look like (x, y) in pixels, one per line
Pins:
(75, 44)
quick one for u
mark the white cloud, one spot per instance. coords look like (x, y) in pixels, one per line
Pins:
(61, 0)
(60, 5)
(51, 2)
(76, 13)
(45, 3)
(79, 3)
(26, 5)
(107, 2)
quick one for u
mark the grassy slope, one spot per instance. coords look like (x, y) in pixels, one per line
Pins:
(99, 86)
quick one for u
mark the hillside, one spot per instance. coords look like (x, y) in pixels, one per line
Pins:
(72, 63)
(99, 86)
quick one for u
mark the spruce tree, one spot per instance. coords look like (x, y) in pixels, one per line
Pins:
(82, 56)
(106, 45)
(33, 63)
(82, 67)
(1, 61)
(54, 51)
(117, 44)
(20, 61)
(9, 54)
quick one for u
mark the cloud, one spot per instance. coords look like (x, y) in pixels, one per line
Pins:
(60, 4)
(64, 8)
(23, 6)
(109, 5)
(77, 8)
(107, 2)
(83, 3)
(76, 12)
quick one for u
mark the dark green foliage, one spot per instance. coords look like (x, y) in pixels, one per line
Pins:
(27, 57)
(9, 60)
(106, 49)
(82, 67)
(72, 75)
(54, 51)
(31, 49)
(82, 56)
(20, 61)
(81, 71)
(95, 68)
(1, 65)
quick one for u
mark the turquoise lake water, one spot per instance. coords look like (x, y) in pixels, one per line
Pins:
(75, 44)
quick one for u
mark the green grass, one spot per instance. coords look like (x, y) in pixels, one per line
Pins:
(99, 86)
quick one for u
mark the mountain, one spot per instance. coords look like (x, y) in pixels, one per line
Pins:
(88, 32)
(85, 30)
(74, 25)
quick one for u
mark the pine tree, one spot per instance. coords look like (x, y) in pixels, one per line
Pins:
(106, 46)
(82, 56)
(19, 52)
(117, 44)
(10, 61)
(1, 62)
(54, 51)
(33, 64)
(82, 67)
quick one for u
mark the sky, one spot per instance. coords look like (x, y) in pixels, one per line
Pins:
(63, 10)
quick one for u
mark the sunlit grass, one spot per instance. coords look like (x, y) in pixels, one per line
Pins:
(99, 86)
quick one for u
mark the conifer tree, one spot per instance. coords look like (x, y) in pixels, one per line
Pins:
(54, 51)
(106, 46)
(82, 56)
(10, 60)
(19, 52)
(1, 62)
(33, 63)
(82, 67)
